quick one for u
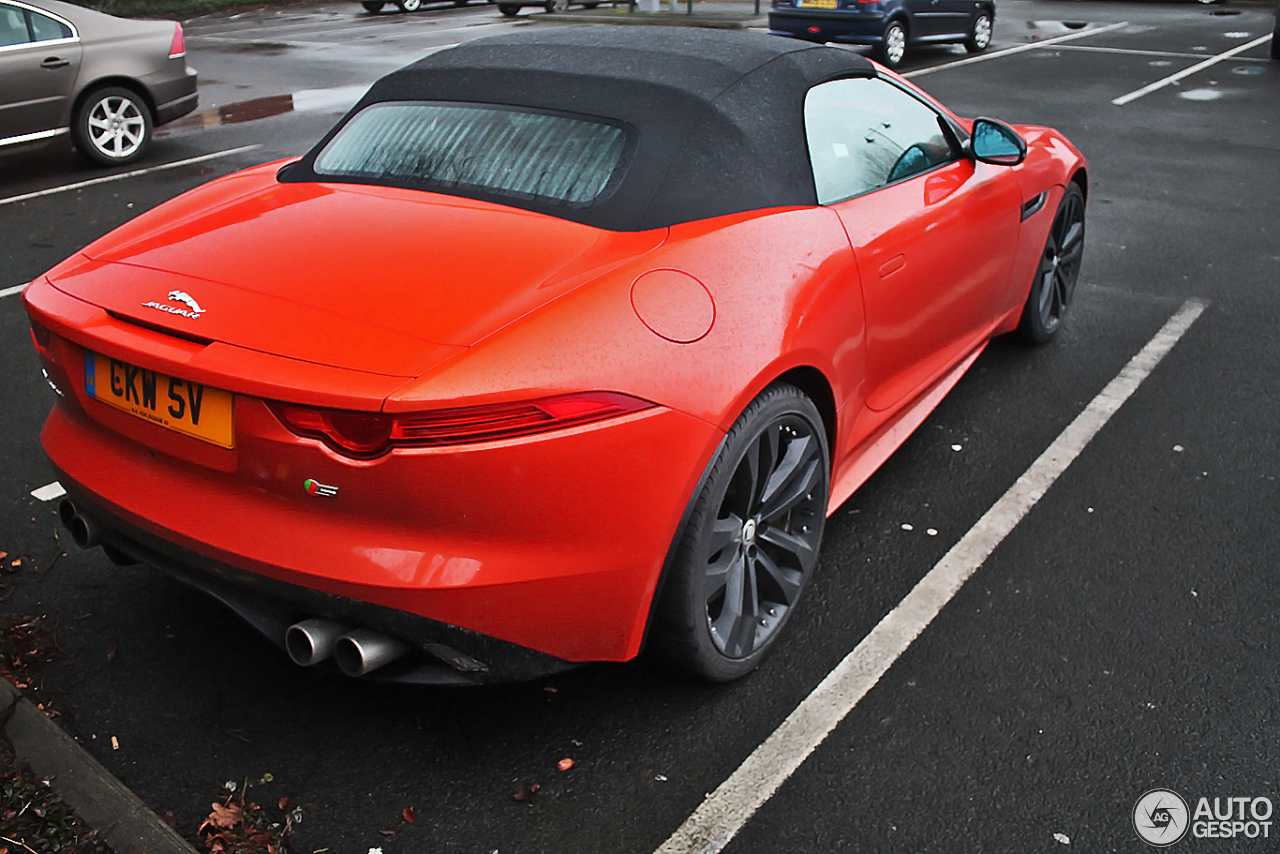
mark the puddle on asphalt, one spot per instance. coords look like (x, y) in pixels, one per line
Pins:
(1202, 94)
(269, 48)
(336, 100)
(1249, 70)
(1050, 29)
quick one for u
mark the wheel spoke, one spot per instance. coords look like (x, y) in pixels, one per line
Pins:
(798, 546)
(787, 581)
(763, 459)
(794, 478)
(735, 627)
(1072, 238)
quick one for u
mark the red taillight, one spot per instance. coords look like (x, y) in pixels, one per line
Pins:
(815, 29)
(366, 434)
(178, 47)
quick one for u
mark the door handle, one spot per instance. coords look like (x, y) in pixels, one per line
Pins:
(55, 62)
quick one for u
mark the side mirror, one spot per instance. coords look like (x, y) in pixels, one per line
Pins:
(995, 142)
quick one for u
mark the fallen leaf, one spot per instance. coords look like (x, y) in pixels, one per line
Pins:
(525, 792)
(409, 815)
(565, 764)
(225, 817)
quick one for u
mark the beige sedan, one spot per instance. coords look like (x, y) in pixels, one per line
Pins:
(106, 81)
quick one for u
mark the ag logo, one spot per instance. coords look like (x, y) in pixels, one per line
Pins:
(1161, 817)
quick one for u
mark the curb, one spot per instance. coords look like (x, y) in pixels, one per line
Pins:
(123, 821)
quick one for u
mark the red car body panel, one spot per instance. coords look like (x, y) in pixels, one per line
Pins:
(391, 300)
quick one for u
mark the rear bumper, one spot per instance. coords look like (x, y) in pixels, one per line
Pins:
(176, 96)
(865, 28)
(554, 544)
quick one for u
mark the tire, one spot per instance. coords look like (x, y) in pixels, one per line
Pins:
(408, 5)
(893, 47)
(750, 545)
(979, 33)
(372, 6)
(113, 126)
(556, 6)
(509, 9)
(1055, 280)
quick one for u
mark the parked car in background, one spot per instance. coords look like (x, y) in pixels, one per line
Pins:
(889, 26)
(1275, 36)
(108, 82)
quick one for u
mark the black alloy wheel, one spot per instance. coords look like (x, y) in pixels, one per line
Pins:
(751, 544)
(1059, 269)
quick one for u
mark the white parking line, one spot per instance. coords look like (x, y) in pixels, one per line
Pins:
(48, 492)
(1022, 48)
(120, 177)
(1132, 51)
(13, 291)
(724, 812)
(1174, 78)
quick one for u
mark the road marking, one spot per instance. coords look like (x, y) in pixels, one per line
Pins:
(48, 492)
(724, 812)
(1200, 66)
(1132, 51)
(8, 292)
(983, 57)
(120, 177)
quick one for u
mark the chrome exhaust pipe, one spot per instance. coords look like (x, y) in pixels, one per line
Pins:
(360, 652)
(311, 641)
(85, 530)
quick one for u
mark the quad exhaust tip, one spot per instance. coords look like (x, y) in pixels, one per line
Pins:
(360, 652)
(311, 641)
(356, 652)
(85, 530)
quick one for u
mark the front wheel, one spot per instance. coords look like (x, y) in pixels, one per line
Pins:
(979, 34)
(508, 9)
(893, 47)
(1055, 280)
(555, 6)
(372, 6)
(408, 5)
(751, 542)
(113, 126)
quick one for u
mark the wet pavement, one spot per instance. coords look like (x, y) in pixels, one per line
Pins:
(1122, 639)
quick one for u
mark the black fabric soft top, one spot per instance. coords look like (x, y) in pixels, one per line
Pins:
(717, 116)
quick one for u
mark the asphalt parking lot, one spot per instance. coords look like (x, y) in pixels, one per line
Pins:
(1121, 636)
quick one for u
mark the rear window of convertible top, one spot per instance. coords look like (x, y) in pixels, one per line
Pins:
(503, 150)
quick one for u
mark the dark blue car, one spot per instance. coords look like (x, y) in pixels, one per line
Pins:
(890, 26)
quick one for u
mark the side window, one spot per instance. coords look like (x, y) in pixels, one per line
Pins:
(13, 26)
(865, 133)
(47, 29)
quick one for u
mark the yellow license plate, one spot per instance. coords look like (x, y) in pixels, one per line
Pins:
(818, 4)
(180, 405)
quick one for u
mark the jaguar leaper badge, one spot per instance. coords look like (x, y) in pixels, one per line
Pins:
(192, 310)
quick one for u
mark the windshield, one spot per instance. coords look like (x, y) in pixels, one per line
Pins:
(508, 151)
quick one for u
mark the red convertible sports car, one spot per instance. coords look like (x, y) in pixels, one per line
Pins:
(560, 345)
